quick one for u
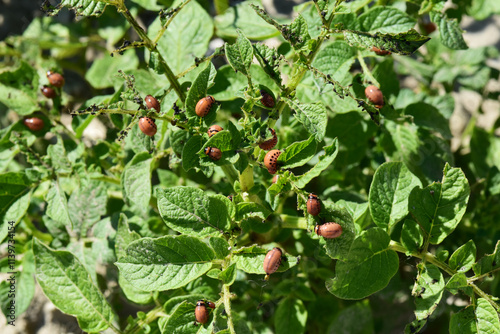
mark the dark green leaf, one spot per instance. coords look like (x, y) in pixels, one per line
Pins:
(403, 43)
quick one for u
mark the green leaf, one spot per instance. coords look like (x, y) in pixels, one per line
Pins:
(488, 263)
(69, 286)
(389, 191)
(240, 54)
(325, 160)
(427, 116)
(298, 153)
(463, 322)
(313, 116)
(335, 59)
(124, 236)
(59, 157)
(190, 211)
(228, 276)
(290, 316)
(269, 60)
(87, 204)
(487, 317)
(190, 158)
(337, 248)
(297, 34)
(450, 32)
(220, 246)
(165, 263)
(482, 9)
(222, 140)
(386, 20)
(181, 320)
(439, 207)
(81, 7)
(403, 43)
(18, 88)
(357, 318)
(412, 236)
(243, 17)
(185, 39)
(459, 282)
(464, 257)
(250, 260)
(198, 90)
(368, 268)
(102, 71)
(15, 195)
(245, 210)
(24, 289)
(428, 291)
(136, 181)
(57, 205)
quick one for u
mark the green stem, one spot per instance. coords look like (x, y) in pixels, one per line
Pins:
(288, 221)
(366, 71)
(230, 172)
(227, 307)
(152, 48)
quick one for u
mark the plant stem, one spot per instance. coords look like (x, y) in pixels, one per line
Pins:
(230, 172)
(227, 307)
(288, 221)
(152, 48)
(366, 71)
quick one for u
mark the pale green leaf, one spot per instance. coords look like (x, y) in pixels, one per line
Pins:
(136, 181)
(313, 116)
(290, 316)
(298, 153)
(464, 257)
(324, 162)
(386, 20)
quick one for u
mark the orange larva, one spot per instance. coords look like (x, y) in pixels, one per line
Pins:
(55, 79)
(151, 102)
(48, 92)
(380, 52)
(269, 144)
(34, 123)
(213, 130)
(147, 126)
(375, 96)
(204, 105)
(201, 312)
(272, 260)
(271, 161)
(211, 304)
(267, 99)
(213, 152)
(328, 230)
(313, 205)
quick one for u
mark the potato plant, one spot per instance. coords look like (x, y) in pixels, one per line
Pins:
(316, 149)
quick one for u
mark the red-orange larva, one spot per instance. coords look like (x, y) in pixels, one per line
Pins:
(201, 312)
(204, 105)
(48, 92)
(34, 123)
(272, 261)
(313, 205)
(213, 130)
(213, 152)
(151, 102)
(380, 52)
(55, 79)
(147, 126)
(271, 161)
(211, 304)
(269, 144)
(328, 230)
(375, 96)
(267, 99)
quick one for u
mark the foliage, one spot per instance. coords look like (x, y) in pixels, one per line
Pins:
(155, 223)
